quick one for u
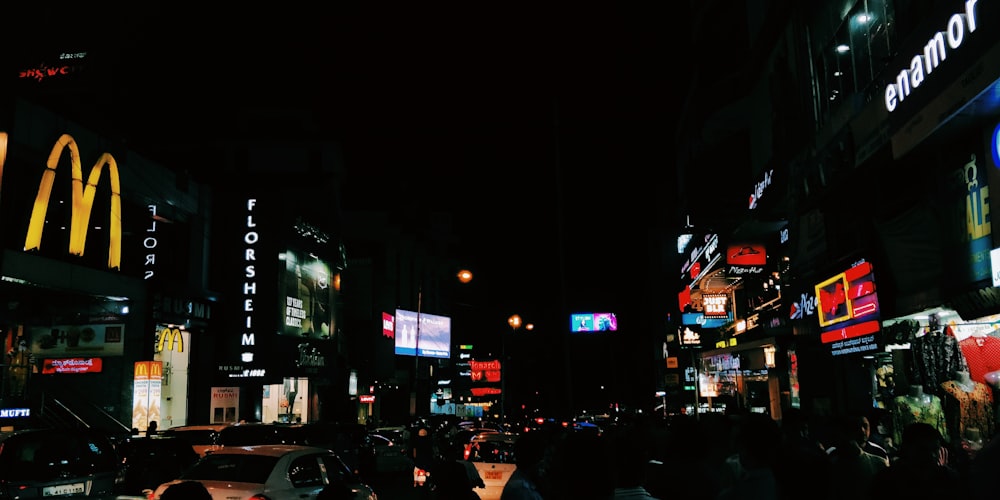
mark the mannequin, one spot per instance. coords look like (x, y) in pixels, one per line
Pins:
(917, 394)
(968, 405)
(963, 381)
(993, 378)
(917, 406)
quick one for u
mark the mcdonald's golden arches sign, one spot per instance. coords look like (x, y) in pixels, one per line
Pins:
(170, 338)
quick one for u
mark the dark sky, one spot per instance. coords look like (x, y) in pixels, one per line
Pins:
(545, 128)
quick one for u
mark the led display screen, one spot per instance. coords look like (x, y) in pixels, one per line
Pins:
(593, 322)
(432, 339)
(307, 304)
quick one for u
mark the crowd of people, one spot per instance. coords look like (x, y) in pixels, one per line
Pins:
(741, 456)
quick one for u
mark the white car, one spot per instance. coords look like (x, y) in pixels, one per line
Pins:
(273, 471)
(493, 456)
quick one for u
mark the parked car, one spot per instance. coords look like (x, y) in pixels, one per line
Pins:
(398, 434)
(349, 440)
(36, 463)
(272, 471)
(389, 455)
(204, 438)
(147, 462)
(254, 433)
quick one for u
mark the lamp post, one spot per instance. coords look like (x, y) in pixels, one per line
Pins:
(515, 322)
(464, 276)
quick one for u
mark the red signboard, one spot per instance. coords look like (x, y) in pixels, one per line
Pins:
(366, 398)
(72, 365)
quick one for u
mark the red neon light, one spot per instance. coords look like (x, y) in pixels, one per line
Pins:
(849, 332)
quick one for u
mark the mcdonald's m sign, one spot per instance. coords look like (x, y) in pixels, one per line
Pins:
(83, 199)
(171, 338)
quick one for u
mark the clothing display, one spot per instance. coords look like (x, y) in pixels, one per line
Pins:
(935, 357)
(917, 406)
(982, 355)
(967, 404)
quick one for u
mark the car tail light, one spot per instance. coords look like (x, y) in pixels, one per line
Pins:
(259, 496)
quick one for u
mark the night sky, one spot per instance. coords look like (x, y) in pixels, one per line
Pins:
(546, 129)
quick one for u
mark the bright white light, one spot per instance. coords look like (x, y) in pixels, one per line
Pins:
(863, 18)
(842, 48)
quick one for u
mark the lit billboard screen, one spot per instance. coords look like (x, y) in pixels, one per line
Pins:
(431, 340)
(307, 304)
(593, 322)
(848, 310)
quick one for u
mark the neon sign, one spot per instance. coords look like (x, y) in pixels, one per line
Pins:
(934, 54)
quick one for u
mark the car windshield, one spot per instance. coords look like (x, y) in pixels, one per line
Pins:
(232, 467)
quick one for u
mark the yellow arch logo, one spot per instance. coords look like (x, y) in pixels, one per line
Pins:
(172, 337)
(83, 199)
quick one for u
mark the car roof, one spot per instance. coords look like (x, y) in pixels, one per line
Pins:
(509, 437)
(204, 427)
(271, 450)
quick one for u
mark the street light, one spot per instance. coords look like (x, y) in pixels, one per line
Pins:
(515, 322)
(464, 276)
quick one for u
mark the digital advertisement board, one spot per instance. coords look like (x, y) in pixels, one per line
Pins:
(848, 310)
(307, 304)
(593, 322)
(432, 339)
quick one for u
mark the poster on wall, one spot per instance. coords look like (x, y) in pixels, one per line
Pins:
(225, 405)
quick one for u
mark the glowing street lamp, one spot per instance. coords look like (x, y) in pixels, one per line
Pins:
(515, 322)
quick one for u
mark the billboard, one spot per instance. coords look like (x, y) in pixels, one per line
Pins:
(307, 304)
(593, 322)
(430, 338)
(848, 310)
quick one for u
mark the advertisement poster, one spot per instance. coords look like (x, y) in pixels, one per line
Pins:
(225, 401)
(66, 341)
(307, 306)
(147, 377)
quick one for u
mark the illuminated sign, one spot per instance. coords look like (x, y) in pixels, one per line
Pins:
(388, 325)
(250, 240)
(15, 412)
(173, 338)
(848, 310)
(593, 322)
(690, 336)
(846, 296)
(714, 305)
(72, 365)
(922, 65)
(366, 398)
(758, 189)
(701, 259)
(485, 370)
(746, 259)
(422, 334)
(146, 390)
(484, 391)
(150, 243)
(69, 63)
(83, 200)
